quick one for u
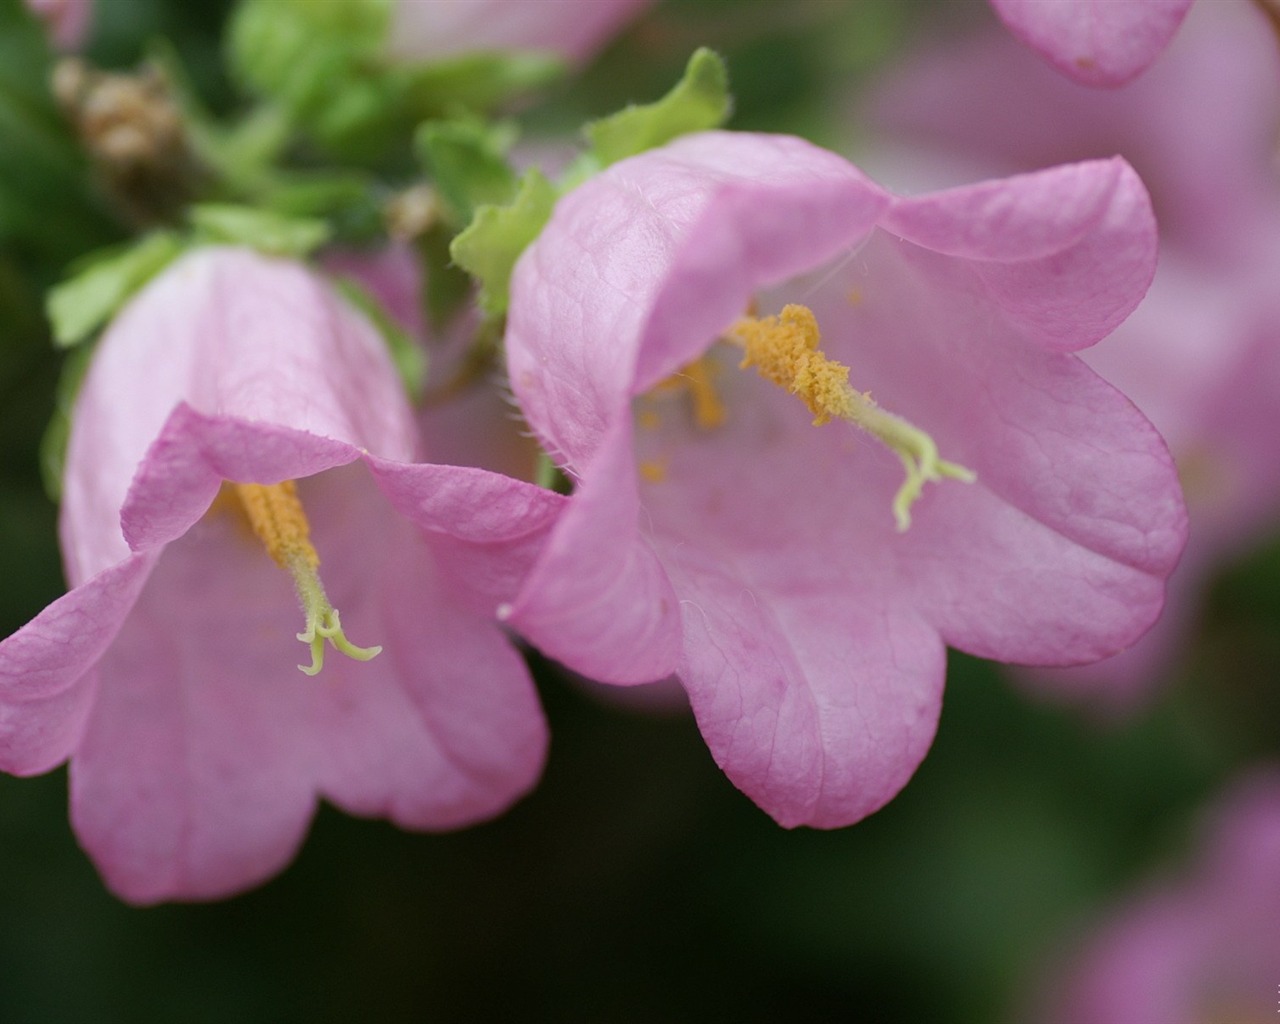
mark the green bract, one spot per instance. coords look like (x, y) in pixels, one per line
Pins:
(102, 282)
(489, 248)
(268, 232)
(699, 102)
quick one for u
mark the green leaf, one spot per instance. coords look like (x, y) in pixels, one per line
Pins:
(101, 283)
(264, 230)
(326, 64)
(409, 358)
(477, 81)
(699, 101)
(468, 164)
(489, 247)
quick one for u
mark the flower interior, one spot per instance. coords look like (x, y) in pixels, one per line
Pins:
(785, 351)
(276, 516)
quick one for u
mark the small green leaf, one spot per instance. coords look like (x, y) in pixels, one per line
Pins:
(409, 358)
(468, 163)
(699, 101)
(100, 284)
(489, 247)
(264, 230)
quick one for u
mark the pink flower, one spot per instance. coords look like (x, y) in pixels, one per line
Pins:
(718, 533)
(574, 29)
(67, 20)
(1201, 355)
(1097, 42)
(1202, 947)
(167, 675)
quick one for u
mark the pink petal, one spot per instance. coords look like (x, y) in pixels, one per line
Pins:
(47, 682)
(1097, 42)
(1068, 253)
(599, 599)
(185, 467)
(485, 529)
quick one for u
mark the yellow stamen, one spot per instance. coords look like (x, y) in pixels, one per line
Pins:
(276, 516)
(696, 378)
(784, 350)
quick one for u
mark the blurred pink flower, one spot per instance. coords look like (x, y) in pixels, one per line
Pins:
(1201, 355)
(167, 675)
(67, 20)
(1096, 42)
(1197, 948)
(715, 532)
(574, 29)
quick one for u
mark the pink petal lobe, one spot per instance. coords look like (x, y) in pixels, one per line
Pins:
(1059, 551)
(484, 528)
(819, 704)
(1068, 253)
(47, 679)
(185, 467)
(599, 599)
(1096, 42)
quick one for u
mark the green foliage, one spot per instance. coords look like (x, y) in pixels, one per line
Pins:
(698, 102)
(268, 232)
(326, 65)
(101, 283)
(43, 203)
(489, 247)
(468, 163)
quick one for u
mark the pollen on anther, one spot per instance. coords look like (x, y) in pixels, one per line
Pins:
(275, 513)
(784, 350)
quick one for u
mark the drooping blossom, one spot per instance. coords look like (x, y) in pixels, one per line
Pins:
(1201, 355)
(67, 20)
(717, 532)
(238, 473)
(1197, 948)
(1097, 42)
(574, 29)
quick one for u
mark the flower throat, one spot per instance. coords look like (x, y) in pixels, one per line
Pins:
(276, 516)
(784, 350)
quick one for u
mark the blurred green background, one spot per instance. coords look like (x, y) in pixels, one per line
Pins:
(636, 884)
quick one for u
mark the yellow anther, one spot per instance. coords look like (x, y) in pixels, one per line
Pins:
(276, 516)
(785, 351)
(697, 379)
